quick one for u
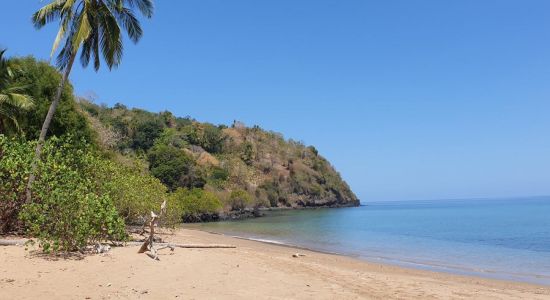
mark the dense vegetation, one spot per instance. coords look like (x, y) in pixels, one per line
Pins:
(104, 167)
(184, 153)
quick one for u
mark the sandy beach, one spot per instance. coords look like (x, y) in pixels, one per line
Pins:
(253, 270)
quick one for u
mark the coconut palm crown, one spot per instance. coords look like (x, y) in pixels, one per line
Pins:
(94, 25)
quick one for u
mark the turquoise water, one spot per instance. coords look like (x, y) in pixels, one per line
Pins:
(505, 238)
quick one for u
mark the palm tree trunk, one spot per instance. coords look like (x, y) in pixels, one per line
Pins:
(46, 126)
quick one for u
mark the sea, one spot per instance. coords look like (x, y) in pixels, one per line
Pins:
(497, 238)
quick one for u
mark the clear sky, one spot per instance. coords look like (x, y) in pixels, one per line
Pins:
(422, 99)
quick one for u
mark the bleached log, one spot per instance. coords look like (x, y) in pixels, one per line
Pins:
(21, 242)
(196, 246)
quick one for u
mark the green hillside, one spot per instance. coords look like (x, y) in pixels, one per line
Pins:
(104, 161)
(185, 153)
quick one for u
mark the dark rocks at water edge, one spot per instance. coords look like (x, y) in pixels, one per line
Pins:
(249, 213)
(224, 216)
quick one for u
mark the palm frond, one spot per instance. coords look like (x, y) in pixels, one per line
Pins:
(83, 30)
(95, 26)
(60, 35)
(146, 7)
(130, 23)
(16, 100)
(48, 13)
(64, 55)
(6, 114)
(110, 37)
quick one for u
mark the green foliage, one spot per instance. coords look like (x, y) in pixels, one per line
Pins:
(172, 137)
(248, 153)
(175, 168)
(13, 98)
(286, 173)
(205, 135)
(218, 177)
(78, 196)
(41, 81)
(15, 162)
(69, 209)
(192, 204)
(146, 133)
(211, 138)
(134, 193)
(275, 194)
(239, 199)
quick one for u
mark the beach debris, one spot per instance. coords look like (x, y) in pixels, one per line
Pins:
(298, 255)
(148, 246)
(14, 242)
(99, 248)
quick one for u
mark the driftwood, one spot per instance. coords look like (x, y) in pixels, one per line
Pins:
(21, 242)
(148, 243)
(196, 246)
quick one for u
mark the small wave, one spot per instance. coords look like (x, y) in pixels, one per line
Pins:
(262, 240)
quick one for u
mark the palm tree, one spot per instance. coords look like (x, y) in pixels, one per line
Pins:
(92, 27)
(12, 97)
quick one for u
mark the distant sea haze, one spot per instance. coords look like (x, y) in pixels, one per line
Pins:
(496, 238)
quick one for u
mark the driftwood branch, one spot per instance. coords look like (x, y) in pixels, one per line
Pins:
(148, 243)
(21, 242)
(196, 246)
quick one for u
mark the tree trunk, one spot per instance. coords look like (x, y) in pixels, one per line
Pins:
(46, 126)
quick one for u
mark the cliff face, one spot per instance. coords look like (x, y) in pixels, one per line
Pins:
(185, 153)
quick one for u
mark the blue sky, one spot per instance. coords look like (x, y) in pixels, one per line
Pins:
(423, 99)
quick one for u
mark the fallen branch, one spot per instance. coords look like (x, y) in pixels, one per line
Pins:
(196, 246)
(21, 242)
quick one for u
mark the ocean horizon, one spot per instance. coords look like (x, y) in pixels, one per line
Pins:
(505, 238)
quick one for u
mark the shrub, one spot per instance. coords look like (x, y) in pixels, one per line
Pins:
(67, 212)
(193, 204)
(239, 199)
(175, 168)
(15, 162)
(78, 196)
(145, 134)
(134, 194)
(248, 153)
(206, 135)
(273, 191)
(218, 176)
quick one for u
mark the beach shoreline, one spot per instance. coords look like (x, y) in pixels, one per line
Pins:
(253, 270)
(403, 263)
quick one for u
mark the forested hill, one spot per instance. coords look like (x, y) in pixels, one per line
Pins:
(208, 170)
(182, 152)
